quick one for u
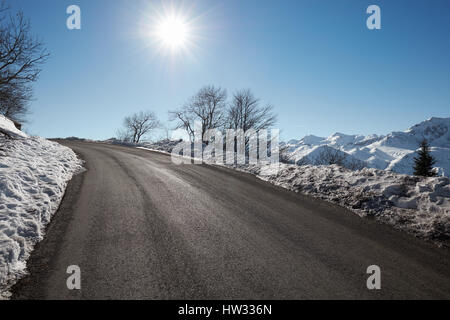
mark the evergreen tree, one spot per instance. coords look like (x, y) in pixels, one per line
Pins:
(424, 161)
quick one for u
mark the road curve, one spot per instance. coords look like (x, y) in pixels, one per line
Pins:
(140, 227)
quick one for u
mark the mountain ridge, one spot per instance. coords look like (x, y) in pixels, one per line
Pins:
(394, 151)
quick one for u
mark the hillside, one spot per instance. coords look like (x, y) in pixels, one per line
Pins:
(394, 152)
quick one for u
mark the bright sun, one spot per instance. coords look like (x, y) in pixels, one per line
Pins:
(173, 32)
(170, 31)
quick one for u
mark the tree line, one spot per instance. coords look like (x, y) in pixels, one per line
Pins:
(210, 108)
(207, 109)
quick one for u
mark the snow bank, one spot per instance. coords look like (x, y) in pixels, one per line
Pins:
(420, 206)
(8, 126)
(165, 146)
(34, 173)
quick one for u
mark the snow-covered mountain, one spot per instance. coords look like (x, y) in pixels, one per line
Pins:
(394, 151)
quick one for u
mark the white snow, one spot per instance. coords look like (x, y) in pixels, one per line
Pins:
(394, 151)
(34, 173)
(8, 126)
(165, 146)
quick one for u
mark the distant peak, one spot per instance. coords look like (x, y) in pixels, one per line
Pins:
(431, 121)
(312, 136)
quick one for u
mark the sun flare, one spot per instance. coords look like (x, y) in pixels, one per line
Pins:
(173, 32)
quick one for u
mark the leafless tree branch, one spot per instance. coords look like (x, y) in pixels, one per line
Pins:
(138, 125)
(21, 58)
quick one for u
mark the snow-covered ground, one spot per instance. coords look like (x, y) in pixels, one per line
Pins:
(163, 146)
(8, 127)
(34, 173)
(394, 151)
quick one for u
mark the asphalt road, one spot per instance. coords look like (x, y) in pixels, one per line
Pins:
(140, 227)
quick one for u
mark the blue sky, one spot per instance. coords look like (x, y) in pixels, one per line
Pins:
(314, 60)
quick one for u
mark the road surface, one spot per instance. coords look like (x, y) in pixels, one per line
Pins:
(140, 227)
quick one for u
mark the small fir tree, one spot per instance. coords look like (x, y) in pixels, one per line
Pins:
(423, 163)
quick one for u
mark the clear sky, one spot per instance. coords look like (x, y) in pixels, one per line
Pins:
(314, 60)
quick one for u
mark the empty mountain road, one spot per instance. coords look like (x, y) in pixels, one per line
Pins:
(140, 227)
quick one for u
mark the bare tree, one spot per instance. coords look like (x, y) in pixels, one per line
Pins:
(303, 161)
(14, 101)
(209, 105)
(184, 120)
(246, 112)
(124, 135)
(21, 57)
(330, 156)
(355, 164)
(138, 125)
(165, 134)
(207, 108)
(285, 156)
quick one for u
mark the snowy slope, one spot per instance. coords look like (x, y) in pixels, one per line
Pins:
(8, 126)
(34, 173)
(394, 151)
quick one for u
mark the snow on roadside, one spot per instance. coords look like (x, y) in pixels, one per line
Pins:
(34, 173)
(417, 205)
(8, 126)
(165, 146)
